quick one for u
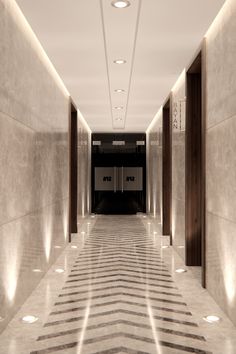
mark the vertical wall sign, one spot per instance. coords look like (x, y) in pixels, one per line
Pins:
(179, 108)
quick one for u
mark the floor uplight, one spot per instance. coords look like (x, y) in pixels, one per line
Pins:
(29, 319)
(180, 270)
(59, 270)
(211, 318)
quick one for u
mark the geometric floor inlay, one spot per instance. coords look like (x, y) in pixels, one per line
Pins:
(120, 298)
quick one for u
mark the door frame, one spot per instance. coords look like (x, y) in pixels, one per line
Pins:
(73, 168)
(167, 168)
(195, 170)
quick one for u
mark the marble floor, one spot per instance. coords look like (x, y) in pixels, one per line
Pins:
(117, 291)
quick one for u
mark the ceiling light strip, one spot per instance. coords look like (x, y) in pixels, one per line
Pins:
(106, 56)
(132, 60)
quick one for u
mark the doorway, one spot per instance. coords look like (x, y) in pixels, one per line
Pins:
(195, 166)
(167, 170)
(73, 170)
(118, 173)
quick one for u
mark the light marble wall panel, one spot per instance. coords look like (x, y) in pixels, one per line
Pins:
(34, 161)
(178, 165)
(84, 169)
(154, 167)
(221, 160)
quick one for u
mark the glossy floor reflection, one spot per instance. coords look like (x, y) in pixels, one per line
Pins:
(118, 292)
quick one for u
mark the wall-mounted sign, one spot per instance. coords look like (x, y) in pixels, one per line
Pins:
(118, 142)
(179, 112)
(140, 142)
(97, 143)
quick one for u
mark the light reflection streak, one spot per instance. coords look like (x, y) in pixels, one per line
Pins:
(152, 322)
(47, 235)
(85, 322)
(12, 249)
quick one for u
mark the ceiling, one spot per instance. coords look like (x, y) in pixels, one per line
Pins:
(157, 38)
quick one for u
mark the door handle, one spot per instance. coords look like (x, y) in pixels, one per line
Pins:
(114, 180)
(122, 179)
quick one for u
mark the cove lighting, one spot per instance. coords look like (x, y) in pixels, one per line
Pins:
(180, 270)
(119, 90)
(29, 319)
(211, 319)
(59, 270)
(120, 4)
(119, 61)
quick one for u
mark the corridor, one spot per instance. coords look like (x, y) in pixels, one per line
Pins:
(119, 293)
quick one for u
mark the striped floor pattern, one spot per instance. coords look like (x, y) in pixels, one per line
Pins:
(120, 298)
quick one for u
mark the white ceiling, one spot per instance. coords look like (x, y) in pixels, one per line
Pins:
(157, 38)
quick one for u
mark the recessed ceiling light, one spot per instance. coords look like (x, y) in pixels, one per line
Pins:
(149, 223)
(120, 4)
(29, 319)
(119, 61)
(88, 223)
(154, 232)
(164, 246)
(37, 270)
(119, 107)
(57, 246)
(74, 247)
(2, 318)
(59, 270)
(211, 319)
(82, 233)
(144, 216)
(119, 119)
(180, 246)
(180, 270)
(119, 90)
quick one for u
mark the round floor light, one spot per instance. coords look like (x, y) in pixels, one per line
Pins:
(211, 319)
(59, 270)
(180, 270)
(29, 319)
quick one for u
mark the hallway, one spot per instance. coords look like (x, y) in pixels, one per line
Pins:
(119, 294)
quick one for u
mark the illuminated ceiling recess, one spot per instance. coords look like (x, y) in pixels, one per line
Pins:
(157, 39)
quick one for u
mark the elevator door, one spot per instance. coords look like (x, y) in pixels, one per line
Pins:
(118, 190)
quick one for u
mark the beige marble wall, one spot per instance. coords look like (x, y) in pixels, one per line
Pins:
(84, 169)
(33, 159)
(221, 160)
(178, 165)
(154, 168)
